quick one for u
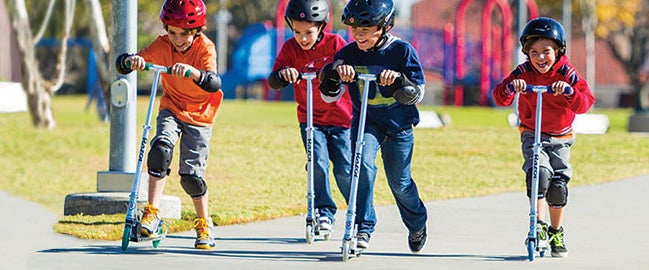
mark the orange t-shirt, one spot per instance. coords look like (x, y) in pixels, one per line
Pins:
(188, 102)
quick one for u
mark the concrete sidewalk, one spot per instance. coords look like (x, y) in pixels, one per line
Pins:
(607, 227)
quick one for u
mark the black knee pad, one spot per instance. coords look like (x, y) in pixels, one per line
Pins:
(544, 181)
(159, 158)
(557, 193)
(193, 185)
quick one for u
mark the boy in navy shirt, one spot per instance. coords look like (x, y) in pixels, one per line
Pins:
(391, 111)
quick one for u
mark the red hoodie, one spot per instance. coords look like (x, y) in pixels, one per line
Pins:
(558, 111)
(337, 113)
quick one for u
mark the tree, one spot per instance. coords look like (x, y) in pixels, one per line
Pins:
(101, 46)
(38, 89)
(624, 26)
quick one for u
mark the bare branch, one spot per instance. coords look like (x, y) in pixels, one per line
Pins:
(45, 23)
(99, 24)
(38, 99)
(23, 39)
(54, 85)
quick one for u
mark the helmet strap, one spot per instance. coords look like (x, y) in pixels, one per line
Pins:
(381, 40)
(289, 22)
(199, 30)
(320, 36)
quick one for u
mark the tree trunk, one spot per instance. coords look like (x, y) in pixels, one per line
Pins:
(102, 50)
(38, 99)
(38, 90)
(40, 108)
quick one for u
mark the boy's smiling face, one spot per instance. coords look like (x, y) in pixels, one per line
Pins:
(366, 37)
(543, 55)
(182, 39)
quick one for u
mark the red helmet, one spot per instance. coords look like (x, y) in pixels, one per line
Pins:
(183, 13)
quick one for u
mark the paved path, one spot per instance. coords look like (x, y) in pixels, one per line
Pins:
(607, 227)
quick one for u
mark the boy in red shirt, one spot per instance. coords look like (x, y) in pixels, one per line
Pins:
(188, 109)
(331, 121)
(544, 44)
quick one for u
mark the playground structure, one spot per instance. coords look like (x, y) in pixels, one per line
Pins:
(463, 63)
(493, 63)
(469, 67)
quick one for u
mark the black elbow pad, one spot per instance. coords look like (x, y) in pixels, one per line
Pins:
(209, 81)
(120, 64)
(330, 79)
(276, 81)
(407, 95)
(400, 82)
(404, 90)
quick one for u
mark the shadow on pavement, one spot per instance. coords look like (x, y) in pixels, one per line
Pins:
(265, 254)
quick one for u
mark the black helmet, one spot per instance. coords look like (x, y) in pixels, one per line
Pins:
(307, 10)
(546, 28)
(364, 13)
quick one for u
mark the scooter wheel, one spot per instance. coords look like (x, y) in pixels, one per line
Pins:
(310, 234)
(530, 250)
(156, 243)
(346, 250)
(126, 237)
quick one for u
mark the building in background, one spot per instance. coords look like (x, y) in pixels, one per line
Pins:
(12, 97)
(9, 56)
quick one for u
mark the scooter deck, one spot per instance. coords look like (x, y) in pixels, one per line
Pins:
(357, 251)
(136, 234)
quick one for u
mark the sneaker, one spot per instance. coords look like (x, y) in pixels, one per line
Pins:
(417, 240)
(150, 221)
(362, 240)
(204, 233)
(542, 234)
(325, 224)
(557, 242)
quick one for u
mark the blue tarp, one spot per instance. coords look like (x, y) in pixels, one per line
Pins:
(252, 59)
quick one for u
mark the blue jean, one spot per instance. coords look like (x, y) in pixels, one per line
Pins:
(330, 143)
(396, 151)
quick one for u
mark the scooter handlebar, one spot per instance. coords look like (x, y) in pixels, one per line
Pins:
(151, 66)
(312, 75)
(542, 89)
(307, 75)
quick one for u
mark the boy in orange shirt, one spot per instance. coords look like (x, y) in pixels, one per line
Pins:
(188, 109)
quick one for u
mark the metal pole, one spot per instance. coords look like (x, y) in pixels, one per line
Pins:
(223, 17)
(522, 20)
(123, 115)
(520, 56)
(566, 17)
(589, 21)
(123, 103)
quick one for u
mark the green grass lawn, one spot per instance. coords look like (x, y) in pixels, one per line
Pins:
(256, 166)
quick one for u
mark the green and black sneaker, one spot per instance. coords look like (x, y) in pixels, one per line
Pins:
(557, 242)
(542, 234)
